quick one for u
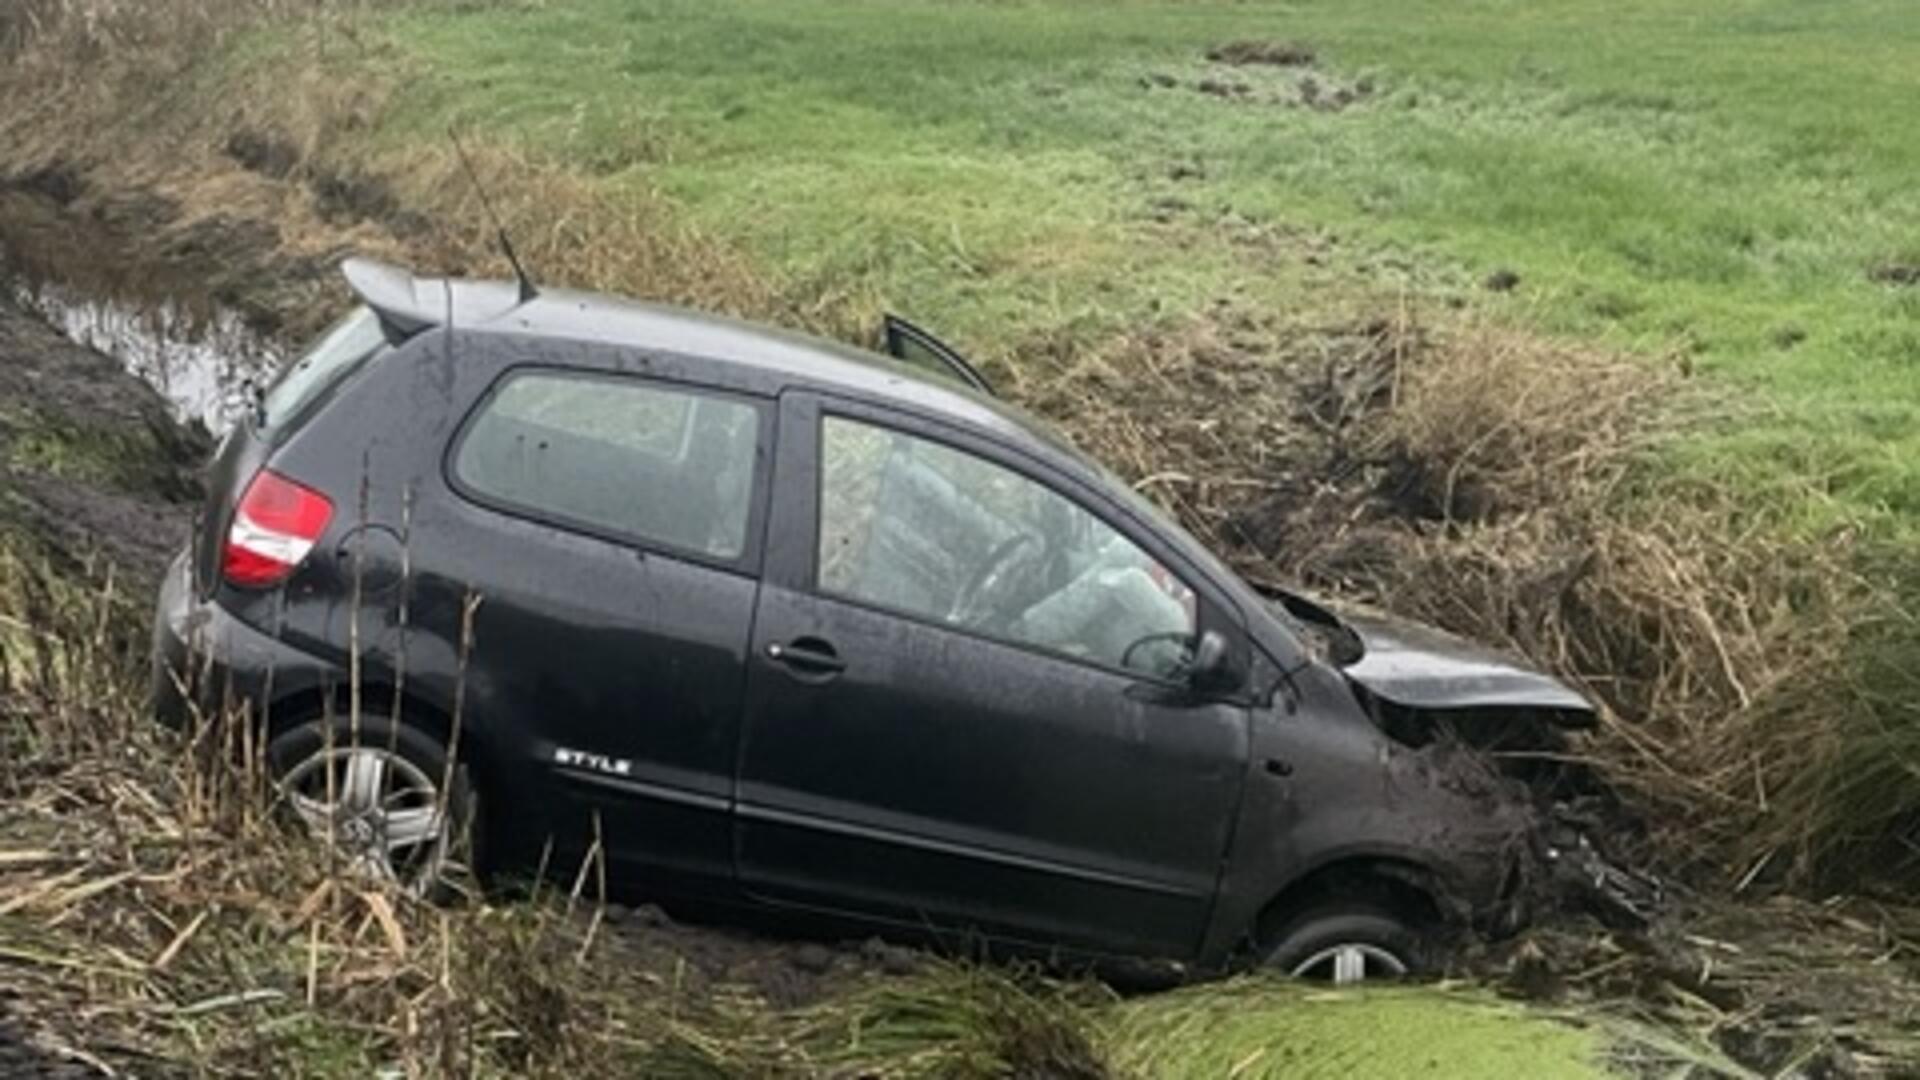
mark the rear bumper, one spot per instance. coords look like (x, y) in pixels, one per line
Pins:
(206, 663)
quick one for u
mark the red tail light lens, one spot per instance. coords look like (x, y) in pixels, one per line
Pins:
(274, 529)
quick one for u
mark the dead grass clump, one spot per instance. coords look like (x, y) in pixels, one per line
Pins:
(69, 39)
(1732, 656)
(252, 206)
(1775, 987)
(569, 229)
(1513, 490)
(1490, 423)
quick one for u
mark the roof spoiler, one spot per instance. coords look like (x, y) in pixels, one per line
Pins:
(408, 305)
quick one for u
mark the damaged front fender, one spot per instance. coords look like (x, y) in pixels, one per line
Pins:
(1335, 792)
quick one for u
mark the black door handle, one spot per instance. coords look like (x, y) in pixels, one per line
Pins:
(807, 656)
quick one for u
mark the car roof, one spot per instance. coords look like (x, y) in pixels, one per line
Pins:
(411, 304)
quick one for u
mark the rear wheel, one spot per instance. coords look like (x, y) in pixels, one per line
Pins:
(1344, 944)
(385, 798)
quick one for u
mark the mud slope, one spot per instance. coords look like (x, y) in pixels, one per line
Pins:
(91, 463)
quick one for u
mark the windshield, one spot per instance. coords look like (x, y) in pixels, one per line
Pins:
(342, 348)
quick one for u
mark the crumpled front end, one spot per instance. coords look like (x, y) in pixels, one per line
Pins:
(1446, 770)
(1517, 767)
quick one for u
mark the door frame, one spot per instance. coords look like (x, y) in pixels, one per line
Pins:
(898, 334)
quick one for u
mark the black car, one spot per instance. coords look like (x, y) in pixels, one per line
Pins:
(781, 623)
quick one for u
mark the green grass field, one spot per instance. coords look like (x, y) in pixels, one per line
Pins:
(1718, 182)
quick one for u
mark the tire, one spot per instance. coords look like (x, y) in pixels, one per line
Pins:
(1328, 941)
(381, 802)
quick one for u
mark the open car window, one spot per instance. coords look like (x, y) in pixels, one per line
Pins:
(910, 344)
(924, 529)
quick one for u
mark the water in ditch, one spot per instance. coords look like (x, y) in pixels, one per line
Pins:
(208, 366)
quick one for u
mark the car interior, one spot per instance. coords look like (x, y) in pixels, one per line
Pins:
(973, 545)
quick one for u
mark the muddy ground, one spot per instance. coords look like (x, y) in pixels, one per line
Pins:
(96, 469)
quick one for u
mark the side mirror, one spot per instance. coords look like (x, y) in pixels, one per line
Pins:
(1210, 669)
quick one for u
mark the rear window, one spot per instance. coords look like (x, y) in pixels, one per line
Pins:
(657, 463)
(338, 351)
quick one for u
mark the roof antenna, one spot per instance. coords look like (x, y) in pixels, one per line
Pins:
(527, 291)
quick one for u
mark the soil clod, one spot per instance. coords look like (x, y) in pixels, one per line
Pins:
(1896, 273)
(56, 180)
(263, 152)
(1277, 53)
(813, 959)
(1222, 88)
(1502, 280)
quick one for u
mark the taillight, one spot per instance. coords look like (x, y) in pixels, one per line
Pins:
(274, 529)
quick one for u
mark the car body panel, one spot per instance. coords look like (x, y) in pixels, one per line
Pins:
(1326, 785)
(1418, 666)
(1424, 668)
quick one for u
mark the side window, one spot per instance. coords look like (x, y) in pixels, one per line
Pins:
(927, 530)
(654, 462)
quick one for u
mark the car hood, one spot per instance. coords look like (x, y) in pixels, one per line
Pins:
(1418, 666)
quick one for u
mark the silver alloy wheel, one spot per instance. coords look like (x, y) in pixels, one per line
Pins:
(1350, 963)
(376, 807)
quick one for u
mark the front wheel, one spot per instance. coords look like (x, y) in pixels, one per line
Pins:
(387, 798)
(1346, 944)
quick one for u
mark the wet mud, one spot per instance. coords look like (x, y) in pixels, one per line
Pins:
(95, 464)
(784, 969)
(1896, 273)
(1271, 73)
(1277, 53)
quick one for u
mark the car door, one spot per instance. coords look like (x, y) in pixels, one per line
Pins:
(910, 344)
(610, 528)
(919, 750)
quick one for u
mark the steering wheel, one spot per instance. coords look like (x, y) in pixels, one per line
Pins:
(982, 599)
